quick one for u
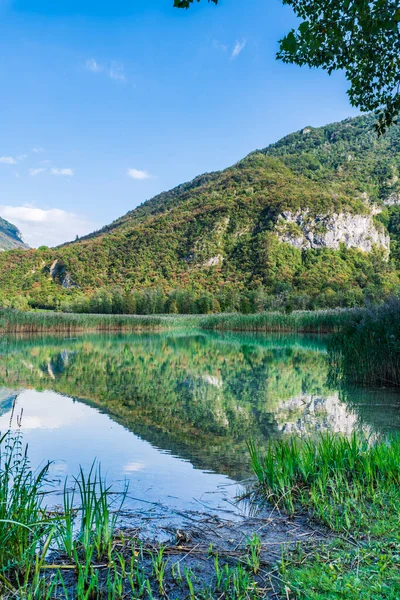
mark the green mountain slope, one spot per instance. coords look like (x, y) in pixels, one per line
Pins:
(305, 219)
(10, 236)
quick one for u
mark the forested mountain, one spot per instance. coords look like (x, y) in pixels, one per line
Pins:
(10, 236)
(304, 223)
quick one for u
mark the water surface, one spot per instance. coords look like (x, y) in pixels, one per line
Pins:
(172, 413)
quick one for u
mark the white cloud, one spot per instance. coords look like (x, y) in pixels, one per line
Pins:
(62, 172)
(35, 172)
(93, 66)
(46, 227)
(137, 174)
(113, 70)
(38, 150)
(8, 160)
(239, 46)
(11, 160)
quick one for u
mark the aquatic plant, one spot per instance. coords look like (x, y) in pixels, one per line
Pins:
(323, 321)
(351, 487)
(368, 349)
(77, 553)
(344, 481)
(302, 321)
(25, 530)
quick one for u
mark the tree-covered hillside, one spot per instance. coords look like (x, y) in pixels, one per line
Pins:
(348, 154)
(302, 223)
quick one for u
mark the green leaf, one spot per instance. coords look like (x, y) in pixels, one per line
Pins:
(289, 43)
(303, 27)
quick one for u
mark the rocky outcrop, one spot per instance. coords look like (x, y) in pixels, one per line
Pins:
(303, 230)
(392, 199)
(59, 274)
(207, 250)
(214, 261)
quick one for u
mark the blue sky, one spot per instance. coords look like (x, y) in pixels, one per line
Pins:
(103, 104)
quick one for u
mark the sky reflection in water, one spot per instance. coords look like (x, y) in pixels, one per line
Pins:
(172, 414)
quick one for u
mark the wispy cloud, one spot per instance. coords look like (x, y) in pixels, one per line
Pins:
(220, 46)
(8, 160)
(137, 174)
(239, 46)
(38, 150)
(113, 70)
(93, 66)
(35, 172)
(47, 227)
(12, 160)
(62, 172)
(116, 71)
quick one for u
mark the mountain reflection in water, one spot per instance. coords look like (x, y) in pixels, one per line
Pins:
(192, 399)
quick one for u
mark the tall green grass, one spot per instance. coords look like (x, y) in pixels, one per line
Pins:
(347, 483)
(77, 552)
(352, 487)
(326, 321)
(24, 528)
(14, 321)
(368, 349)
(319, 321)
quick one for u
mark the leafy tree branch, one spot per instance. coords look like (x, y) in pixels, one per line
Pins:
(360, 37)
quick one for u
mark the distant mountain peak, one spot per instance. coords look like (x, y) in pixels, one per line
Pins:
(10, 236)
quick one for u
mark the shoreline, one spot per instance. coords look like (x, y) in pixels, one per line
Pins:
(303, 551)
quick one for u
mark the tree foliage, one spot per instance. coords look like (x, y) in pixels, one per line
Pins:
(187, 3)
(360, 37)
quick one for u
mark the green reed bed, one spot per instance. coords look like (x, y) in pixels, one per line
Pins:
(351, 486)
(320, 321)
(77, 553)
(327, 321)
(13, 321)
(368, 349)
(23, 526)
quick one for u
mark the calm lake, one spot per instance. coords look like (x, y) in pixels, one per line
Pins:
(171, 413)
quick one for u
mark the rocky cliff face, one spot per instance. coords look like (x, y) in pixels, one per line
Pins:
(60, 275)
(10, 236)
(393, 199)
(304, 231)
